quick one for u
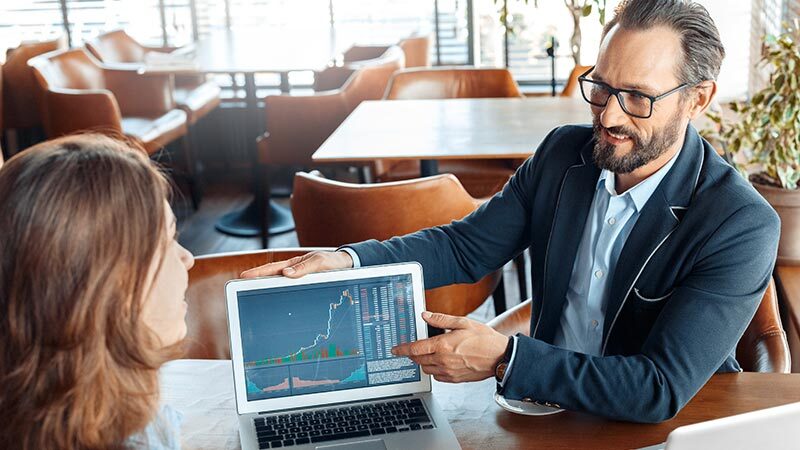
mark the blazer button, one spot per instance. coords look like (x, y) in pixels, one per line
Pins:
(527, 399)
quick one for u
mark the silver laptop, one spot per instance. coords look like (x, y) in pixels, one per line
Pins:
(771, 428)
(312, 362)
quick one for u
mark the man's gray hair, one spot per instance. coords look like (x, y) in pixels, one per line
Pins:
(702, 48)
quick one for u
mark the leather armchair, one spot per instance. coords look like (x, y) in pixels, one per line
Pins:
(207, 337)
(22, 102)
(355, 212)
(298, 125)
(762, 348)
(481, 177)
(355, 58)
(81, 94)
(417, 50)
(192, 93)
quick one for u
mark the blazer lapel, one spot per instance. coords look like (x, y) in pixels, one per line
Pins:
(572, 208)
(658, 219)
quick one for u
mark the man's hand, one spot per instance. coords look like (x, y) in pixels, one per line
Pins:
(298, 266)
(469, 352)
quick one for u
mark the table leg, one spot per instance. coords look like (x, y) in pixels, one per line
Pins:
(428, 167)
(285, 87)
(247, 222)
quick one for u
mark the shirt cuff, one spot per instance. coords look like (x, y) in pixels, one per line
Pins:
(353, 254)
(510, 362)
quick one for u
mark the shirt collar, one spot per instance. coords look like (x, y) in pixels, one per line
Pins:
(640, 193)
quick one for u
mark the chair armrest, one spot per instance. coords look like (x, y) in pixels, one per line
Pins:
(515, 320)
(141, 95)
(298, 125)
(70, 110)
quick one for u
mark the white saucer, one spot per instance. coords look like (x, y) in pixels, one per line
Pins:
(524, 408)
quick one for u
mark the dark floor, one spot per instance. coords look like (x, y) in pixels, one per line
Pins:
(198, 235)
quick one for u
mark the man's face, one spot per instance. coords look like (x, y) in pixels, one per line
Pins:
(645, 61)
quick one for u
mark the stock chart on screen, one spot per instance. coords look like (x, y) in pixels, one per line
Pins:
(327, 336)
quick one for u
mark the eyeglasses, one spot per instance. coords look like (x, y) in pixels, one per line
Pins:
(634, 103)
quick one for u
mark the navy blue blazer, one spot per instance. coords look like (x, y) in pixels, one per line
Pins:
(687, 283)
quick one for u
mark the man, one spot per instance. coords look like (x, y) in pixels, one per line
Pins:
(649, 253)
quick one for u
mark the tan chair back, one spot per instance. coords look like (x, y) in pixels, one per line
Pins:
(369, 81)
(69, 69)
(332, 213)
(298, 125)
(572, 87)
(417, 50)
(206, 318)
(762, 348)
(116, 47)
(451, 82)
(19, 84)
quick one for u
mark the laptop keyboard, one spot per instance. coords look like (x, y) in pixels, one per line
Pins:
(369, 419)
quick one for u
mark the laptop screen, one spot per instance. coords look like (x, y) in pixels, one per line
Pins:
(328, 336)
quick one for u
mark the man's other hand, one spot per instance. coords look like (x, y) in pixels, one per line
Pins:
(470, 352)
(298, 266)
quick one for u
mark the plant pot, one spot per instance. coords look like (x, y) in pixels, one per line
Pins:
(787, 204)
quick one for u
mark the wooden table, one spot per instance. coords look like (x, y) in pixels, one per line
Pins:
(788, 282)
(203, 391)
(433, 130)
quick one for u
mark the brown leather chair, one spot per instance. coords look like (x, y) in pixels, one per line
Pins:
(481, 177)
(417, 50)
(571, 88)
(332, 213)
(355, 58)
(298, 125)
(82, 94)
(206, 318)
(762, 348)
(192, 93)
(22, 102)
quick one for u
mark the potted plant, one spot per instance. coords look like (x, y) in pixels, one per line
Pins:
(763, 140)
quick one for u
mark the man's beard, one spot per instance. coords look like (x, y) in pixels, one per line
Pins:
(642, 151)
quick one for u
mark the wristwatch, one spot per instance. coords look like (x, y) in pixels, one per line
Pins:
(502, 365)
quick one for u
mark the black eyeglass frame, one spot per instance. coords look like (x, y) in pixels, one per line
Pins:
(615, 92)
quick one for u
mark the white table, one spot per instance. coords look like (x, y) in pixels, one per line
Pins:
(202, 390)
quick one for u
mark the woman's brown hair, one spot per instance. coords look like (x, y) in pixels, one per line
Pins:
(81, 221)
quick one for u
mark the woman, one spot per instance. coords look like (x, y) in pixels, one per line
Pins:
(92, 285)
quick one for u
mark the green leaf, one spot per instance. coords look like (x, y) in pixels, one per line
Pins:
(586, 10)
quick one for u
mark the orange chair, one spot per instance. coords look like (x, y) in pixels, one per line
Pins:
(356, 212)
(192, 93)
(417, 50)
(762, 348)
(298, 125)
(481, 177)
(207, 337)
(22, 102)
(571, 87)
(80, 94)
(355, 58)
